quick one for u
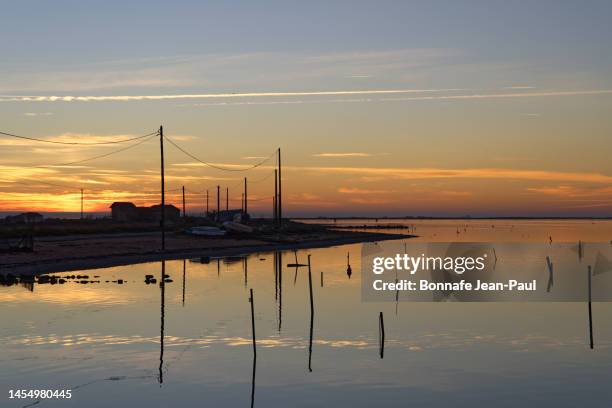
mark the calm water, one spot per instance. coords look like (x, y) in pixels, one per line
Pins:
(102, 340)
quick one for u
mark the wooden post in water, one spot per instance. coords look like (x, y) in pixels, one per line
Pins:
(163, 190)
(590, 311)
(381, 334)
(253, 321)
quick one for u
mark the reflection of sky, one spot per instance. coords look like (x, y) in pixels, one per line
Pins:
(435, 354)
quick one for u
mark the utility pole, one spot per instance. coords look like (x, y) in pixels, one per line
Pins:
(245, 197)
(218, 200)
(275, 195)
(81, 203)
(163, 192)
(226, 198)
(184, 213)
(242, 203)
(280, 194)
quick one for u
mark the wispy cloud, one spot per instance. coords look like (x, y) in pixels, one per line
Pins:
(350, 190)
(124, 98)
(356, 154)
(469, 173)
(32, 114)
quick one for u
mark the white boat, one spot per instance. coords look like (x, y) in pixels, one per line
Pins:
(206, 231)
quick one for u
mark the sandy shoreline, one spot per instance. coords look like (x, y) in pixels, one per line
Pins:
(91, 252)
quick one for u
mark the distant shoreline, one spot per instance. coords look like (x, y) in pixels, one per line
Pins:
(452, 218)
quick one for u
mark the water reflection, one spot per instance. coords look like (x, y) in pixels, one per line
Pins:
(104, 334)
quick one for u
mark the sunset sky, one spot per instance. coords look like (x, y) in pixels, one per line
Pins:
(439, 108)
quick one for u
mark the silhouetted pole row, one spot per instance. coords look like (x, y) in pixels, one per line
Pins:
(163, 191)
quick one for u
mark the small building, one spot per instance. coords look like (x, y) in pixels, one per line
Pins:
(171, 213)
(126, 212)
(24, 218)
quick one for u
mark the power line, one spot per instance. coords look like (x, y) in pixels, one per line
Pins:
(101, 155)
(77, 143)
(214, 166)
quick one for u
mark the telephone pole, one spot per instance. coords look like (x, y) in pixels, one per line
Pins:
(184, 212)
(280, 194)
(218, 200)
(81, 203)
(163, 192)
(245, 197)
(276, 196)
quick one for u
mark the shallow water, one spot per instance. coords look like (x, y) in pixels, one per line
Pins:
(103, 340)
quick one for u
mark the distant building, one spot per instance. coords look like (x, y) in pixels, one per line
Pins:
(231, 215)
(125, 212)
(24, 218)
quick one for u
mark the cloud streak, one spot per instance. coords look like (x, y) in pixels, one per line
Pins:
(238, 95)
(473, 173)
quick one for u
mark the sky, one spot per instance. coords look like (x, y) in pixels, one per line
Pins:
(439, 108)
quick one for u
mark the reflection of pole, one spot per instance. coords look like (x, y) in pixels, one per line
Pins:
(162, 287)
(280, 290)
(253, 381)
(311, 316)
(590, 311)
(321, 278)
(184, 263)
(254, 349)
